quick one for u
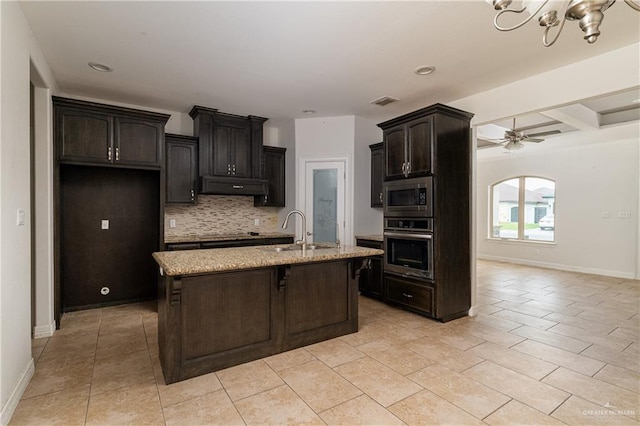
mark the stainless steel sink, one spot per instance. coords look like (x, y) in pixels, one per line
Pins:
(298, 247)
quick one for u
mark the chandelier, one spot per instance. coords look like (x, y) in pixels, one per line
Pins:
(588, 13)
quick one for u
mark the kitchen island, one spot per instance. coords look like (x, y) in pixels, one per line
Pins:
(222, 307)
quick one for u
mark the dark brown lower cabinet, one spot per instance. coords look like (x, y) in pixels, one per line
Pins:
(372, 276)
(217, 320)
(413, 295)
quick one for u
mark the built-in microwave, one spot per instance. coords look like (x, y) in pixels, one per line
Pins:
(409, 197)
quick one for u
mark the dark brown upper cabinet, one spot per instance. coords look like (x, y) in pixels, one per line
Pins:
(92, 133)
(408, 148)
(273, 159)
(377, 173)
(182, 169)
(229, 151)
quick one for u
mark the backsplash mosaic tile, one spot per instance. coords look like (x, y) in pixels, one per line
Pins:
(220, 214)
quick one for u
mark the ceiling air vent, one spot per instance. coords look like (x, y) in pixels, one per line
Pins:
(384, 100)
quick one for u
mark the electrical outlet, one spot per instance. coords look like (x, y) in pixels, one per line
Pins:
(256, 222)
(105, 224)
(20, 217)
(172, 223)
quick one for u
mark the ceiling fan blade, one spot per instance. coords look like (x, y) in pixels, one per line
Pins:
(547, 133)
(530, 139)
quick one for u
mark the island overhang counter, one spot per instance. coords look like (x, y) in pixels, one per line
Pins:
(222, 307)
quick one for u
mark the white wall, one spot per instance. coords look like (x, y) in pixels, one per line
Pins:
(591, 179)
(18, 51)
(368, 220)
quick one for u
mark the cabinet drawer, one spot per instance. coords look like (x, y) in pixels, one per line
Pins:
(361, 242)
(222, 186)
(409, 294)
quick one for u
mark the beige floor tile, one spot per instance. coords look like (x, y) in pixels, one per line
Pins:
(289, 359)
(591, 336)
(278, 406)
(67, 407)
(318, 385)
(626, 333)
(121, 371)
(134, 405)
(630, 361)
(39, 343)
(523, 308)
(483, 308)
(495, 322)
(365, 334)
(399, 358)
(455, 337)
(468, 394)
(188, 389)
(211, 409)
(567, 310)
(514, 360)
(425, 408)
(524, 319)
(577, 411)
(53, 376)
(248, 379)
(570, 360)
(142, 308)
(490, 334)
(334, 352)
(381, 383)
(531, 392)
(446, 355)
(553, 339)
(360, 411)
(121, 342)
(590, 326)
(622, 377)
(78, 325)
(398, 334)
(594, 390)
(121, 323)
(36, 352)
(516, 413)
(78, 346)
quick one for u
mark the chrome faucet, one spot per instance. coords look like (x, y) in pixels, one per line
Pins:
(337, 232)
(303, 241)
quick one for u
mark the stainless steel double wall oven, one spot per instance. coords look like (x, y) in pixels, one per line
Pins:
(408, 227)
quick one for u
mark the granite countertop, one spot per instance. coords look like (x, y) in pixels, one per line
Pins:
(187, 262)
(222, 237)
(377, 237)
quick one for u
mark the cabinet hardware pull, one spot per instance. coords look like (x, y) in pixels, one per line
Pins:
(266, 196)
(109, 153)
(117, 153)
(381, 197)
(409, 296)
(238, 186)
(193, 195)
(228, 169)
(408, 167)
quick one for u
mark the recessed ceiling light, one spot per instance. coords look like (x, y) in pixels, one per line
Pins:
(100, 67)
(309, 111)
(424, 70)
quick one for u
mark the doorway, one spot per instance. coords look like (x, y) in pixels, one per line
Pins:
(323, 193)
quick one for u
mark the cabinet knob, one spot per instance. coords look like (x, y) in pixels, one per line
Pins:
(117, 153)
(109, 153)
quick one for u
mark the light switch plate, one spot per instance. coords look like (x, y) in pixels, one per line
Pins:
(20, 217)
(105, 224)
(256, 222)
(172, 223)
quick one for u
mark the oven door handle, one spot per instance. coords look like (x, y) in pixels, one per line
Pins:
(408, 235)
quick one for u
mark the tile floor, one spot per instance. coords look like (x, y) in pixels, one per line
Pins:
(546, 347)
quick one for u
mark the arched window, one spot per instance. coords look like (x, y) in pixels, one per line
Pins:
(522, 208)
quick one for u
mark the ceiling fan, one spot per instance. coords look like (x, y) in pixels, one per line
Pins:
(513, 138)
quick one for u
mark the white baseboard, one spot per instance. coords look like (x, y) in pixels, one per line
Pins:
(40, 331)
(558, 266)
(472, 311)
(16, 395)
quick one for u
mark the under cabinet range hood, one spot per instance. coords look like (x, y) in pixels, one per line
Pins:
(222, 185)
(230, 152)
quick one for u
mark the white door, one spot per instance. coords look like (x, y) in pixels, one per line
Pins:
(325, 201)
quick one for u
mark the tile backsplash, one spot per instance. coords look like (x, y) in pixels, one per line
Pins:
(220, 214)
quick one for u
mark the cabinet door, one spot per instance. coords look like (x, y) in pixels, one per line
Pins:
(274, 172)
(84, 136)
(317, 301)
(182, 172)
(377, 174)
(394, 146)
(241, 153)
(419, 146)
(138, 142)
(222, 151)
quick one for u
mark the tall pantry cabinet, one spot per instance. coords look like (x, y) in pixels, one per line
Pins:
(109, 192)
